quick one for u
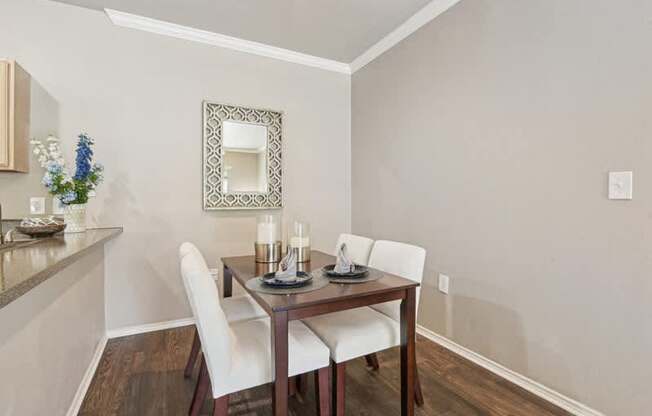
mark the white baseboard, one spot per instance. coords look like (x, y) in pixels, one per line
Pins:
(141, 329)
(88, 377)
(520, 380)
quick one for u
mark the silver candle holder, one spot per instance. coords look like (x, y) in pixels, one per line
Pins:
(299, 241)
(268, 252)
(268, 246)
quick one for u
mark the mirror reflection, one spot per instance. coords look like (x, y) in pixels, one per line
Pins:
(244, 150)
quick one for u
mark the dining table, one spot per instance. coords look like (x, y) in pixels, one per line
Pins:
(333, 297)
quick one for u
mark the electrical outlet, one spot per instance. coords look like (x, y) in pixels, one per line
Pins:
(620, 185)
(37, 205)
(215, 273)
(444, 282)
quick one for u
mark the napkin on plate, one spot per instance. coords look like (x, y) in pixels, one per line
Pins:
(343, 264)
(287, 268)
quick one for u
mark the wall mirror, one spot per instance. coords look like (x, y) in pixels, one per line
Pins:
(242, 157)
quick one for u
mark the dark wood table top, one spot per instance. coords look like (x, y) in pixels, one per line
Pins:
(244, 268)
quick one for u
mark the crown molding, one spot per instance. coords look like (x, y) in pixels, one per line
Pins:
(414, 23)
(161, 27)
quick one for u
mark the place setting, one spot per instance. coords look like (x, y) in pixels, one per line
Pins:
(346, 271)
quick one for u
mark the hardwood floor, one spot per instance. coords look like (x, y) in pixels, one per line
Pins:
(143, 375)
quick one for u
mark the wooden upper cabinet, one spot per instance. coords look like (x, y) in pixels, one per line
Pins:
(14, 117)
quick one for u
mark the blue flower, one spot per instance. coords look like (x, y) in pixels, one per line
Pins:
(47, 180)
(68, 197)
(54, 167)
(84, 157)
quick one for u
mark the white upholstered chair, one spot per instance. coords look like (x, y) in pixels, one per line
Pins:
(236, 309)
(364, 331)
(237, 356)
(357, 247)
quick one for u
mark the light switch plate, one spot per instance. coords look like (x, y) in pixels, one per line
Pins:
(621, 185)
(37, 206)
(443, 283)
(57, 206)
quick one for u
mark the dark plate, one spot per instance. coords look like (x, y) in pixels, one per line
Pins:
(303, 279)
(360, 271)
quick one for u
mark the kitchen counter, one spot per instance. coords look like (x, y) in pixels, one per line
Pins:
(24, 267)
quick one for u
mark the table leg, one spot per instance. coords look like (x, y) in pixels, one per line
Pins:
(280, 357)
(227, 283)
(408, 357)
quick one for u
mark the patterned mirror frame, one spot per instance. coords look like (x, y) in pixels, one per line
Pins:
(214, 199)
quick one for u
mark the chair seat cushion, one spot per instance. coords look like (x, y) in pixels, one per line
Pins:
(251, 364)
(356, 332)
(242, 308)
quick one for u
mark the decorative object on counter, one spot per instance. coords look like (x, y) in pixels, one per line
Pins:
(268, 245)
(299, 240)
(72, 191)
(41, 227)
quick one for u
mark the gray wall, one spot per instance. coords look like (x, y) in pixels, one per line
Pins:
(48, 337)
(486, 137)
(140, 96)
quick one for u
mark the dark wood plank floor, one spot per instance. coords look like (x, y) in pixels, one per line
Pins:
(142, 375)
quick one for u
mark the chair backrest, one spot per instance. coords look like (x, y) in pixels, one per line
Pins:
(357, 247)
(187, 248)
(213, 328)
(400, 259)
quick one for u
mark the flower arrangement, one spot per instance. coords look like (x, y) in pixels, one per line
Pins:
(69, 189)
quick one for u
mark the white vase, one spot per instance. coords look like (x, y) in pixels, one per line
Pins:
(74, 216)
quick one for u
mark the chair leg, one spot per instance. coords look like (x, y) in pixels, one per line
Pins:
(302, 383)
(194, 352)
(292, 386)
(203, 385)
(322, 391)
(339, 379)
(221, 406)
(368, 360)
(418, 395)
(372, 361)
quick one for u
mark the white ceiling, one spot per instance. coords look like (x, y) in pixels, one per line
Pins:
(340, 30)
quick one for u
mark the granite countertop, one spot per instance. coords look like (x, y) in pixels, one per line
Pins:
(24, 267)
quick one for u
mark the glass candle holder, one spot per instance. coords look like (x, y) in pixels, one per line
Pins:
(299, 240)
(268, 242)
